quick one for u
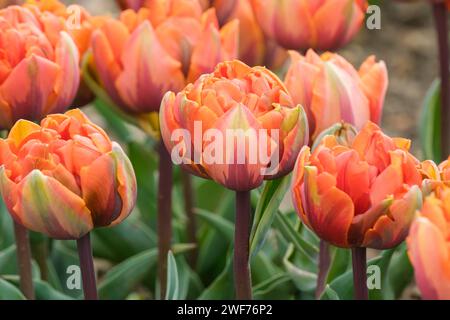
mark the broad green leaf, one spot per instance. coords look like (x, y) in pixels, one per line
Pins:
(430, 123)
(124, 277)
(6, 227)
(8, 263)
(266, 209)
(114, 123)
(222, 288)
(9, 291)
(122, 241)
(343, 285)
(43, 290)
(222, 225)
(401, 272)
(340, 262)
(272, 284)
(329, 294)
(173, 285)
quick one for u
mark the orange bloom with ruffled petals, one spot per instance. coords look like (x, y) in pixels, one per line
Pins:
(147, 53)
(363, 193)
(235, 98)
(39, 72)
(65, 177)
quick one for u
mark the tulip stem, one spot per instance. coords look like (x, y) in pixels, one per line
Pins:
(440, 17)
(324, 266)
(359, 261)
(164, 215)
(24, 260)
(87, 267)
(242, 277)
(186, 179)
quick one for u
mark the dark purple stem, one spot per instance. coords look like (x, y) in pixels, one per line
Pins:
(87, 267)
(24, 260)
(324, 266)
(242, 277)
(360, 273)
(164, 215)
(440, 17)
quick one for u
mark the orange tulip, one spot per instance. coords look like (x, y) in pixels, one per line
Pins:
(39, 71)
(142, 55)
(234, 98)
(429, 246)
(56, 17)
(303, 24)
(331, 90)
(363, 193)
(254, 48)
(65, 177)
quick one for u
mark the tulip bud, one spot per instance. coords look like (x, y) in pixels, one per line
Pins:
(428, 246)
(39, 73)
(331, 90)
(65, 177)
(303, 24)
(201, 126)
(362, 194)
(147, 53)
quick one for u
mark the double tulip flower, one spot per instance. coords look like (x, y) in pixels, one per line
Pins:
(235, 97)
(304, 24)
(332, 90)
(65, 177)
(144, 54)
(363, 193)
(43, 62)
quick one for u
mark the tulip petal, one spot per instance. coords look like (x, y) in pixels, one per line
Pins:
(391, 229)
(148, 72)
(37, 77)
(45, 205)
(374, 82)
(330, 210)
(67, 57)
(429, 254)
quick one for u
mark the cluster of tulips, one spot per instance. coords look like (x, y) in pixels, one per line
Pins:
(165, 65)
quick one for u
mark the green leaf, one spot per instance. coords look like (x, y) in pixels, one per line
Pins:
(222, 225)
(430, 123)
(124, 277)
(173, 285)
(270, 285)
(222, 288)
(340, 262)
(293, 236)
(303, 275)
(120, 242)
(266, 209)
(329, 294)
(9, 291)
(343, 285)
(6, 227)
(401, 272)
(42, 289)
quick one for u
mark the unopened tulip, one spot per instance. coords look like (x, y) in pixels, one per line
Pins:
(65, 177)
(362, 193)
(429, 246)
(331, 90)
(234, 98)
(39, 73)
(303, 24)
(146, 53)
